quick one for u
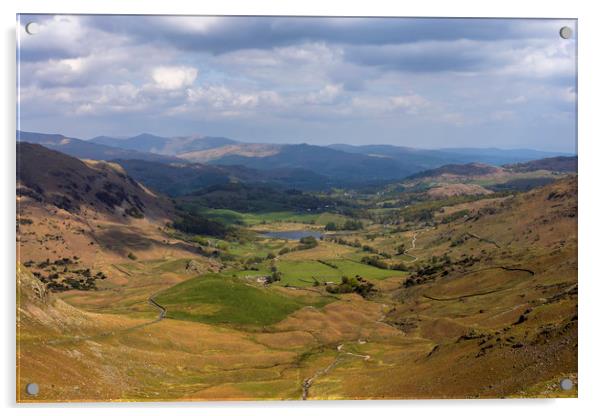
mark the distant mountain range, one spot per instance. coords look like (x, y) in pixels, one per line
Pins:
(83, 149)
(556, 164)
(468, 169)
(184, 160)
(421, 159)
(179, 179)
(163, 145)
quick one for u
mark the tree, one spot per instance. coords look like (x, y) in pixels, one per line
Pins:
(331, 226)
(401, 249)
(353, 225)
(274, 277)
(308, 242)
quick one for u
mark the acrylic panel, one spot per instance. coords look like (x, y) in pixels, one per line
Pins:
(295, 208)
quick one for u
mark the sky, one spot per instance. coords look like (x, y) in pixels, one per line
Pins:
(428, 83)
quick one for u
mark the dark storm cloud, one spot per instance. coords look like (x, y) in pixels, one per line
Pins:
(235, 33)
(422, 57)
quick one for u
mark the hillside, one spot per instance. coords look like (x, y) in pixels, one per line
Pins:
(554, 164)
(246, 197)
(485, 307)
(421, 159)
(331, 166)
(88, 209)
(429, 287)
(178, 179)
(479, 178)
(164, 145)
(467, 170)
(499, 297)
(87, 150)
(253, 150)
(53, 178)
(324, 161)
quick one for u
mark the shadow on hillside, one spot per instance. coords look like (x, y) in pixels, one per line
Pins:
(123, 241)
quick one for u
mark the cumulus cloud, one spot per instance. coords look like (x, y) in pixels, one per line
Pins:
(325, 79)
(174, 77)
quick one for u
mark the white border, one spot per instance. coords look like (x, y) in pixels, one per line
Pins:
(590, 135)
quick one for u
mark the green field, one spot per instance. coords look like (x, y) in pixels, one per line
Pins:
(253, 249)
(217, 299)
(230, 217)
(303, 273)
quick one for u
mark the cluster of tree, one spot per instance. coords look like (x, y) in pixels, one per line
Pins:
(275, 276)
(61, 281)
(349, 225)
(246, 197)
(252, 262)
(375, 261)
(416, 206)
(436, 266)
(306, 243)
(342, 241)
(459, 241)
(399, 266)
(421, 215)
(64, 261)
(455, 216)
(191, 223)
(355, 284)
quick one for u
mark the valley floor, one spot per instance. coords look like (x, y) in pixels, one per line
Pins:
(483, 306)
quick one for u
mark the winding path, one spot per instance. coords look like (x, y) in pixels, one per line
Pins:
(487, 240)
(162, 310)
(151, 301)
(414, 237)
(308, 382)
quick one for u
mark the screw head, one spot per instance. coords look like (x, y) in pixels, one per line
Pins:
(566, 384)
(566, 32)
(32, 28)
(32, 389)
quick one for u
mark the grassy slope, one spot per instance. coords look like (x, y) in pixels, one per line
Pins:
(227, 216)
(415, 344)
(302, 273)
(222, 300)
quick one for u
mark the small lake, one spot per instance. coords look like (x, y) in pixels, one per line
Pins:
(292, 235)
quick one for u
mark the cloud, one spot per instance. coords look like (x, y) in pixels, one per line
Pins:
(230, 33)
(325, 95)
(516, 100)
(317, 78)
(174, 77)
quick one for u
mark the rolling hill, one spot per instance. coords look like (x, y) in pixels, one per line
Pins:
(178, 179)
(294, 165)
(87, 150)
(554, 164)
(91, 209)
(469, 169)
(164, 145)
(230, 150)
(324, 161)
(421, 159)
(53, 178)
